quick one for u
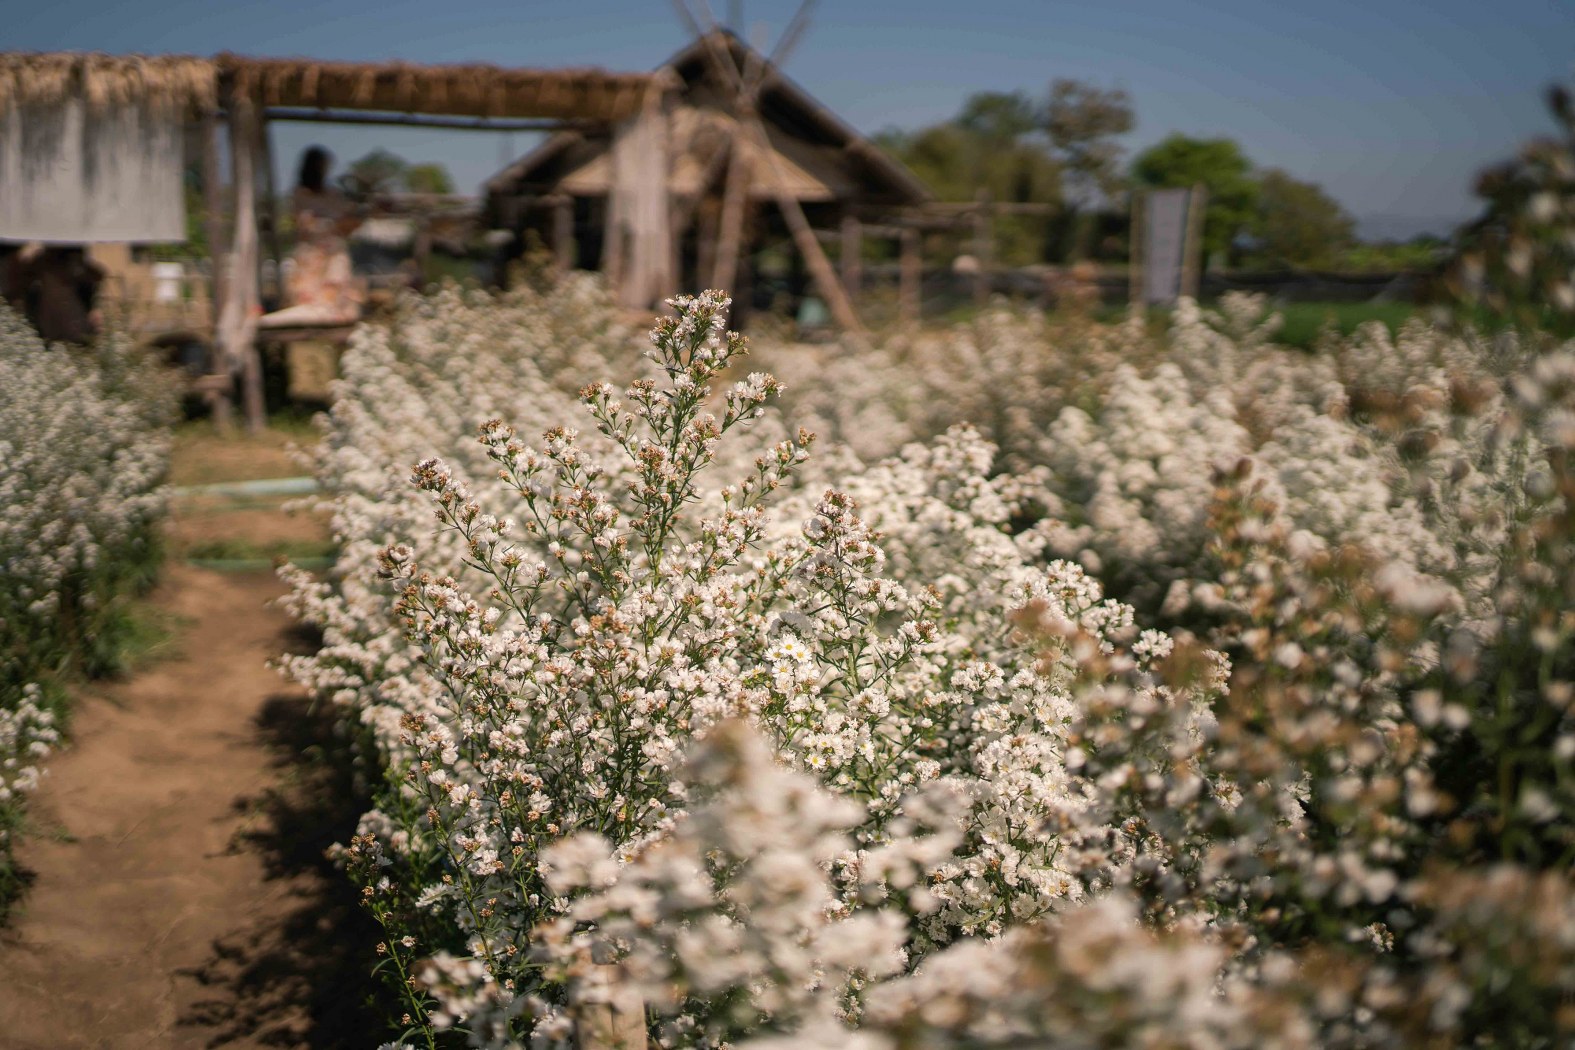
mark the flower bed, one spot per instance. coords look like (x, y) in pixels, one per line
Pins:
(84, 440)
(678, 730)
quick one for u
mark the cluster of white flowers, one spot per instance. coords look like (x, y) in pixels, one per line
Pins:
(676, 729)
(539, 666)
(84, 448)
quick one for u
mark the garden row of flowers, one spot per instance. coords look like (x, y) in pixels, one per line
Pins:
(1076, 687)
(84, 443)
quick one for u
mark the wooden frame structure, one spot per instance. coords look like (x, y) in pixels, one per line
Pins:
(242, 95)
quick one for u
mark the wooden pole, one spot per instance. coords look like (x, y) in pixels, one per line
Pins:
(708, 219)
(218, 257)
(1192, 250)
(563, 234)
(983, 249)
(271, 191)
(239, 322)
(852, 256)
(908, 290)
(724, 274)
(1135, 245)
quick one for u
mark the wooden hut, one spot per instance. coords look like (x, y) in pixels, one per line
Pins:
(565, 192)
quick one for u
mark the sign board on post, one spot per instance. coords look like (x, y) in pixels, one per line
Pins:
(1169, 244)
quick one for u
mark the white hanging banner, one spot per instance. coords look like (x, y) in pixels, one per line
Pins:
(70, 174)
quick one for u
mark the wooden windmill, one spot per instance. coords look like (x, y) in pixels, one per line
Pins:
(748, 146)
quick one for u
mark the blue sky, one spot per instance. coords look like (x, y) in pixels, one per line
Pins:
(1392, 105)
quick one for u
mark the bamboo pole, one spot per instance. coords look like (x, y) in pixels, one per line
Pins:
(218, 257)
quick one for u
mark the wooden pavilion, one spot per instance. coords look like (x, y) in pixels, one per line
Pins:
(566, 191)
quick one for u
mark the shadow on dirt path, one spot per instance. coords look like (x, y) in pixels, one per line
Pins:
(183, 899)
(300, 978)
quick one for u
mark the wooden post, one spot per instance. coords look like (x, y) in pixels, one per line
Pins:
(1135, 292)
(912, 272)
(270, 190)
(238, 324)
(563, 233)
(724, 274)
(708, 222)
(1192, 247)
(852, 256)
(218, 259)
(983, 249)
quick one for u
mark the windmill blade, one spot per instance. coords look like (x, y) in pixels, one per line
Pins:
(792, 34)
(725, 66)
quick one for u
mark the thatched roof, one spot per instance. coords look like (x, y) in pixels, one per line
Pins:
(472, 90)
(162, 82)
(819, 157)
(185, 82)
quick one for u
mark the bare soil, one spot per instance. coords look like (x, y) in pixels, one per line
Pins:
(180, 896)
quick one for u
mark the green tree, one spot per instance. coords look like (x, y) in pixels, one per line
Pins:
(1181, 161)
(992, 145)
(1517, 261)
(1298, 224)
(378, 172)
(1082, 122)
(996, 116)
(428, 178)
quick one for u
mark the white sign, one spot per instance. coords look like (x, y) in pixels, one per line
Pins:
(1164, 244)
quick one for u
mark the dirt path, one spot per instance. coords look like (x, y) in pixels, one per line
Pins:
(179, 895)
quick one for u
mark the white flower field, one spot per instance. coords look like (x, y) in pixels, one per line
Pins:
(84, 442)
(1079, 686)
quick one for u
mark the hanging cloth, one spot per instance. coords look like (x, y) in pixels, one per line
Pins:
(73, 174)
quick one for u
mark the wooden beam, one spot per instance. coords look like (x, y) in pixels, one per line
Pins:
(994, 207)
(303, 115)
(218, 258)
